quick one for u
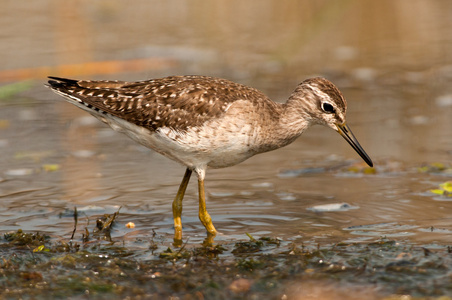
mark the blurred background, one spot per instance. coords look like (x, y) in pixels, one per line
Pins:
(386, 40)
(392, 59)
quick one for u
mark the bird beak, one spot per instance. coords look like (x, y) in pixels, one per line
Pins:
(347, 134)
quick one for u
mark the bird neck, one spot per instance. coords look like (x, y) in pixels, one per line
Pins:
(294, 119)
(285, 122)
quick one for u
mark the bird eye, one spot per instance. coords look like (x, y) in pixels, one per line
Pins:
(328, 108)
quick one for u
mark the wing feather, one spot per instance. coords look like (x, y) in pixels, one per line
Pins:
(176, 102)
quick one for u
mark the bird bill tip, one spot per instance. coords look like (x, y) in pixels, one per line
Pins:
(348, 135)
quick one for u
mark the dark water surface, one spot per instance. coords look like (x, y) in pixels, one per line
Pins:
(395, 72)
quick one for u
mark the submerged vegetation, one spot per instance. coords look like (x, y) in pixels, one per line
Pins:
(37, 266)
(445, 189)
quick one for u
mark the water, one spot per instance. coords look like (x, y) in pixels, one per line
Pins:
(394, 72)
(332, 216)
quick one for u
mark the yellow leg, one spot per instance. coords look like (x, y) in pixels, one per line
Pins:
(177, 205)
(203, 214)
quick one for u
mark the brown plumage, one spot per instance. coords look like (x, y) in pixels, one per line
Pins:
(176, 102)
(205, 122)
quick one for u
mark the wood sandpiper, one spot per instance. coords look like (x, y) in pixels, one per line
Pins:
(204, 122)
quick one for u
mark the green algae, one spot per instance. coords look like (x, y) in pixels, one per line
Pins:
(263, 267)
(95, 265)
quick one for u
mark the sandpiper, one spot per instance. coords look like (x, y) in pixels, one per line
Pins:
(203, 122)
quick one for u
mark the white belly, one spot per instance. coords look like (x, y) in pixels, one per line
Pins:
(216, 144)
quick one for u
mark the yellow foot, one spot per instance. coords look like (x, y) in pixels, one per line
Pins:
(206, 220)
(177, 208)
(208, 241)
(204, 216)
(178, 235)
(177, 242)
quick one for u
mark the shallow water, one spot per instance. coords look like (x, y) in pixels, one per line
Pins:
(398, 108)
(394, 69)
(279, 194)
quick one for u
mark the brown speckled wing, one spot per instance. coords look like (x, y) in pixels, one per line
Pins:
(177, 102)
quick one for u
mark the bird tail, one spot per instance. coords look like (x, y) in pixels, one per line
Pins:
(58, 83)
